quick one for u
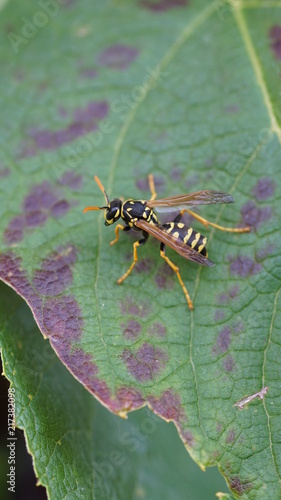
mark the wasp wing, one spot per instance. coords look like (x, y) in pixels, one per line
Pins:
(205, 197)
(175, 243)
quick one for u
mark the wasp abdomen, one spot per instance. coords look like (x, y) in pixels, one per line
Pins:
(188, 235)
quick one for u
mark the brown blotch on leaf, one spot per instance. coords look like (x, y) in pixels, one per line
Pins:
(146, 362)
(157, 329)
(163, 5)
(264, 189)
(117, 56)
(55, 273)
(131, 329)
(243, 266)
(223, 341)
(168, 405)
(62, 317)
(275, 37)
(254, 216)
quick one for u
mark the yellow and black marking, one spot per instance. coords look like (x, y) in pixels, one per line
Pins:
(187, 235)
(140, 216)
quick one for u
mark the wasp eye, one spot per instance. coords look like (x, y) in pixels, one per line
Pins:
(113, 212)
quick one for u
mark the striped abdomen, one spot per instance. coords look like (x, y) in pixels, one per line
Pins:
(192, 238)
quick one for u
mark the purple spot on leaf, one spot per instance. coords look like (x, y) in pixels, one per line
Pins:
(42, 201)
(118, 56)
(131, 329)
(231, 294)
(223, 341)
(128, 307)
(163, 5)
(41, 197)
(62, 111)
(60, 208)
(275, 37)
(85, 120)
(164, 277)
(230, 436)
(219, 315)
(12, 273)
(243, 266)
(191, 181)
(144, 266)
(176, 174)
(143, 185)
(228, 364)
(4, 172)
(146, 362)
(167, 406)
(55, 273)
(15, 229)
(237, 486)
(83, 367)
(254, 216)
(232, 108)
(36, 218)
(71, 180)
(62, 317)
(264, 189)
(89, 73)
(238, 327)
(128, 398)
(157, 329)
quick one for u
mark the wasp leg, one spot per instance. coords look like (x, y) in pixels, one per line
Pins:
(123, 228)
(152, 187)
(207, 223)
(136, 245)
(176, 269)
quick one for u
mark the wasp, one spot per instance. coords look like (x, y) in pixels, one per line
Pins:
(140, 215)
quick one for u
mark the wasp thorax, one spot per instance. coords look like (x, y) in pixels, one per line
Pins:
(113, 211)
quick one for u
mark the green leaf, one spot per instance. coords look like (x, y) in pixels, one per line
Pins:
(79, 449)
(190, 92)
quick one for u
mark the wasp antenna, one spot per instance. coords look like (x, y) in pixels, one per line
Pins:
(92, 208)
(102, 189)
